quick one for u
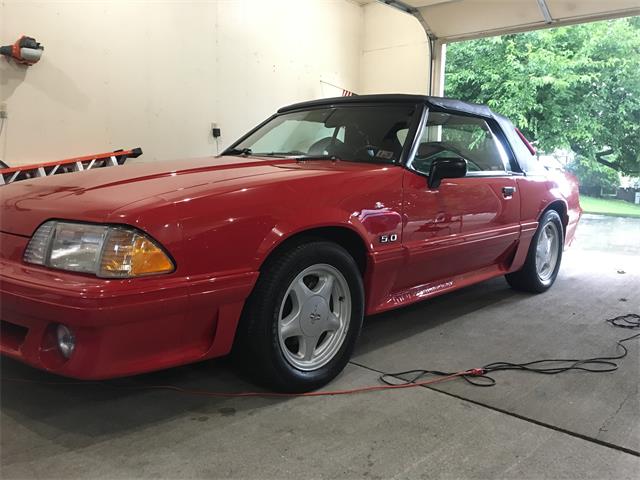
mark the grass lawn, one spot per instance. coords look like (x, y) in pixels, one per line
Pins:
(609, 207)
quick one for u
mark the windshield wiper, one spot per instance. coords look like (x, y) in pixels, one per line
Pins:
(238, 151)
(296, 155)
(248, 151)
(315, 157)
(291, 153)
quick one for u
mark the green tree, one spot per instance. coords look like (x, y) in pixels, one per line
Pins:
(574, 87)
(594, 177)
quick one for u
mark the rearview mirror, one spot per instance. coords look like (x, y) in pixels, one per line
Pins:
(446, 167)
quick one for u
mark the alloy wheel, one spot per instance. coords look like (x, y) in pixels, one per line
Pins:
(314, 317)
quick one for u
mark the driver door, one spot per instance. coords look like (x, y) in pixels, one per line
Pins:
(467, 224)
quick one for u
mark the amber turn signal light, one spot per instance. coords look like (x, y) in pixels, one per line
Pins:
(128, 254)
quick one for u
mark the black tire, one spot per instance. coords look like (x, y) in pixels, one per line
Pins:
(258, 344)
(527, 278)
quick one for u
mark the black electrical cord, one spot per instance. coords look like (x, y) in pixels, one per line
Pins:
(476, 377)
(479, 376)
(631, 320)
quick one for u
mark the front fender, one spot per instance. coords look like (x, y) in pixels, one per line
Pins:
(368, 224)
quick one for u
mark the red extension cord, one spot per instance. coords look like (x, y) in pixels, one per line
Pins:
(206, 393)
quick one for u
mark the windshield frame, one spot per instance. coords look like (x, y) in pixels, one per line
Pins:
(408, 148)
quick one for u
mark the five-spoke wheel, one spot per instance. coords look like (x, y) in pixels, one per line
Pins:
(547, 251)
(302, 320)
(314, 316)
(541, 267)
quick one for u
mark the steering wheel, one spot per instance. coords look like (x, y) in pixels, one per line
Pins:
(444, 147)
(321, 147)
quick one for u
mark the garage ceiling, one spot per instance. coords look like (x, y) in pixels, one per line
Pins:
(451, 20)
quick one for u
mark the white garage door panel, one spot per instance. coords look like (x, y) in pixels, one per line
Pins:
(426, 3)
(464, 17)
(561, 9)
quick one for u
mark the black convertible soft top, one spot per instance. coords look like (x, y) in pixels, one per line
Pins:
(441, 102)
(526, 160)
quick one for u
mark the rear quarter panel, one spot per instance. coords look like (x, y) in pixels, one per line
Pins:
(537, 192)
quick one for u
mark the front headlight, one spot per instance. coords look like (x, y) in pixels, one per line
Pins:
(103, 250)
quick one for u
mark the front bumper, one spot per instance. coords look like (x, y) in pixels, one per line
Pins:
(122, 327)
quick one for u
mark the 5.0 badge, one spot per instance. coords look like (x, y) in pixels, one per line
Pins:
(392, 237)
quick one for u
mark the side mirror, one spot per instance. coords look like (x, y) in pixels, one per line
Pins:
(446, 167)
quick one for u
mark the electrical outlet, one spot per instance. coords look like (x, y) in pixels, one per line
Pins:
(215, 130)
(3, 110)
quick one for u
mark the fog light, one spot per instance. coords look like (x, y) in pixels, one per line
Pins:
(66, 341)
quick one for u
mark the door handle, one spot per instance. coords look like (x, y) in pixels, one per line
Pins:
(507, 192)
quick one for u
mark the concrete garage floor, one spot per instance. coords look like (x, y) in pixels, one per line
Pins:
(572, 425)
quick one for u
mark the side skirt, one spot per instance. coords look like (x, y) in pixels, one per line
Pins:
(433, 289)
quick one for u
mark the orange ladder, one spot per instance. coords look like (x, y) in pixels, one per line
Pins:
(78, 164)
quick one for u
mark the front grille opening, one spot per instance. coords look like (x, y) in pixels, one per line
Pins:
(11, 335)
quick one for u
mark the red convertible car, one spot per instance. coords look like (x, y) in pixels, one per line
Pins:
(328, 211)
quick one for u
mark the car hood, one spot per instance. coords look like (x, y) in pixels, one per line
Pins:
(96, 195)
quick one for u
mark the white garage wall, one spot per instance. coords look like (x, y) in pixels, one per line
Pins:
(395, 56)
(156, 74)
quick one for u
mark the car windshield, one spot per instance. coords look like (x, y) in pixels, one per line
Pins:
(352, 133)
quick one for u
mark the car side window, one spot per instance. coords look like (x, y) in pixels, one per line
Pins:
(448, 135)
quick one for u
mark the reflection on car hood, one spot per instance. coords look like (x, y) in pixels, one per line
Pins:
(94, 195)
